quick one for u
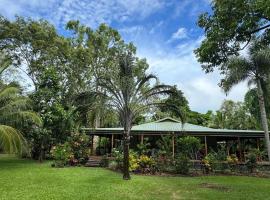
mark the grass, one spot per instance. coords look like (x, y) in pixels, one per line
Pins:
(25, 179)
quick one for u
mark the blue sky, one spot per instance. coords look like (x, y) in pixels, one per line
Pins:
(164, 32)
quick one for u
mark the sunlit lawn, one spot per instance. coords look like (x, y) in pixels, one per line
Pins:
(24, 179)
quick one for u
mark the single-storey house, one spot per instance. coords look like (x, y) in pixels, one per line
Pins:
(210, 137)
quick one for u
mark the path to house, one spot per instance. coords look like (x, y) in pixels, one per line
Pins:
(24, 179)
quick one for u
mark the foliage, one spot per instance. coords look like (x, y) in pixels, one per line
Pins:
(189, 146)
(133, 161)
(79, 143)
(164, 145)
(232, 159)
(15, 110)
(251, 161)
(252, 102)
(113, 165)
(147, 164)
(127, 88)
(233, 115)
(199, 118)
(175, 105)
(143, 148)
(61, 153)
(229, 28)
(253, 69)
(208, 162)
(182, 163)
(104, 161)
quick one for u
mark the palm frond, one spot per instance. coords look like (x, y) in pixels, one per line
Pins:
(238, 70)
(8, 92)
(17, 119)
(17, 104)
(11, 140)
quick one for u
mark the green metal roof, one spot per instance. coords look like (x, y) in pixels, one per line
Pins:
(170, 125)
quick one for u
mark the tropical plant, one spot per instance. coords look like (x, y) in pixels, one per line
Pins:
(61, 153)
(252, 161)
(128, 91)
(254, 69)
(182, 163)
(14, 112)
(189, 146)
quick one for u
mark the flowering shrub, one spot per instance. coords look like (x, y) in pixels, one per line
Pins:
(61, 154)
(73, 152)
(79, 143)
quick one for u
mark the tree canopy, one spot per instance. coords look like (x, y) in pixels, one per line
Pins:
(229, 28)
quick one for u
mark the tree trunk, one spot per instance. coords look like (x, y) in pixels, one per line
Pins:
(126, 175)
(263, 117)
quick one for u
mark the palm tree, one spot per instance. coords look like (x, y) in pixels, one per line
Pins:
(128, 91)
(254, 69)
(14, 111)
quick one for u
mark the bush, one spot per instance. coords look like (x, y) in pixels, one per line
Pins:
(232, 161)
(147, 164)
(133, 161)
(208, 163)
(182, 164)
(79, 143)
(104, 161)
(251, 162)
(61, 154)
(189, 146)
(113, 165)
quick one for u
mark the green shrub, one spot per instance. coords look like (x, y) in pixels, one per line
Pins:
(113, 165)
(133, 161)
(79, 143)
(147, 164)
(251, 162)
(208, 163)
(104, 162)
(143, 148)
(182, 164)
(61, 154)
(189, 146)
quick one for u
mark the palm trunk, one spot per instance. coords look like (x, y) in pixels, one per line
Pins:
(263, 117)
(126, 175)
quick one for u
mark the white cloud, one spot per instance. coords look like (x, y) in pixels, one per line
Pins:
(179, 67)
(181, 33)
(88, 12)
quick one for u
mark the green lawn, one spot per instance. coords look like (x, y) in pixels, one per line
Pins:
(24, 179)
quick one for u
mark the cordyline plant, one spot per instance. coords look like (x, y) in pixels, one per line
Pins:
(128, 91)
(255, 68)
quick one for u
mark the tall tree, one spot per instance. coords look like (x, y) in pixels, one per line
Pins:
(255, 69)
(229, 28)
(129, 92)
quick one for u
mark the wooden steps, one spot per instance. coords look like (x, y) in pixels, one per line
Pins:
(93, 161)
